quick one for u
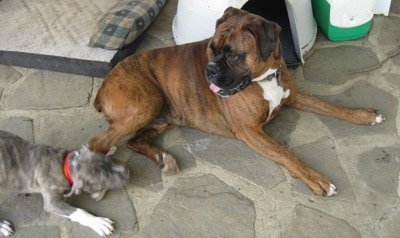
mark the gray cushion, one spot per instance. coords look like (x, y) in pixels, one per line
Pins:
(124, 22)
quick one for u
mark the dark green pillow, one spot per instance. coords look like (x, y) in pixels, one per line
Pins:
(124, 22)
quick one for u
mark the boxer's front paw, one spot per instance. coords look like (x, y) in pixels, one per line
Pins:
(168, 164)
(320, 185)
(368, 117)
(6, 228)
(324, 189)
(378, 119)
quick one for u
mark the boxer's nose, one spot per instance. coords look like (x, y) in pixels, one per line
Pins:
(212, 70)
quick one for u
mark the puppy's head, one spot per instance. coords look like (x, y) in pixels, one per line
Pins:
(243, 47)
(95, 173)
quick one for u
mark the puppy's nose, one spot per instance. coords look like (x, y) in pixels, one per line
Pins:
(122, 172)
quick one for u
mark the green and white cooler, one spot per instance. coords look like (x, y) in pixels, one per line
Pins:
(343, 20)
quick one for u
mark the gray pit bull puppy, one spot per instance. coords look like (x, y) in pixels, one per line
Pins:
(34, 168)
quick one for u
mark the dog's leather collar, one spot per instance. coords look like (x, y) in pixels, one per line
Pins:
(67, 171)
(270, 75)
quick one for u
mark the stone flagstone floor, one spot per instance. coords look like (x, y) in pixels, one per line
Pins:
(224, 188)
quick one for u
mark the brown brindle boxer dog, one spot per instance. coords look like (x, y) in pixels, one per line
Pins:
(229, 85)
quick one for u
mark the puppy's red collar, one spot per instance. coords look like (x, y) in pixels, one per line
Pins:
(67, 171)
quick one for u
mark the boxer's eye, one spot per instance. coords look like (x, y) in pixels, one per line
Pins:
(231, 57)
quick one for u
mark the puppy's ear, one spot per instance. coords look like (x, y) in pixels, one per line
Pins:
(85, 152)
(266, 34)
(86, 147)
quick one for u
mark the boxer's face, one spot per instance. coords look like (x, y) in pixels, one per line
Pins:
(234, 53)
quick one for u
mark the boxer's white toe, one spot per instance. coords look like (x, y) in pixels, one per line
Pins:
(112, 150)
(169, 164)
(379, 119)
(332, 190)
(6, 228)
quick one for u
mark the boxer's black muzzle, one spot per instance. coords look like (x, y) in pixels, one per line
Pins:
(224, 82)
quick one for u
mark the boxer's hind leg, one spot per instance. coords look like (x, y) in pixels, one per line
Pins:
(119, 128)
(141, 143)
(303, 101)
(127, 108)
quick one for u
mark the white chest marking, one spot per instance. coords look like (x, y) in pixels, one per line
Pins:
(272, 91)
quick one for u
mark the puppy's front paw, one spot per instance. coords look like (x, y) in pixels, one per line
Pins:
(6, 228)
(103, 226)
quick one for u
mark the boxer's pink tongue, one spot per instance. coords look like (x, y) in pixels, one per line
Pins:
(214, 88)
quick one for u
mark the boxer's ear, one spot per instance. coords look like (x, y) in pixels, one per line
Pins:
(227, 13)
(230, 9)
(267, 37)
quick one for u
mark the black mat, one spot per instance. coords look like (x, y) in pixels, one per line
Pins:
(275, 10)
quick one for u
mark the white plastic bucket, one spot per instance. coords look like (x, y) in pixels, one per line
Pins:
(195, 19)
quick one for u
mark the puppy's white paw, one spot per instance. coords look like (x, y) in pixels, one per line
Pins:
(332, 190)
(103, 226)
(6, 228)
